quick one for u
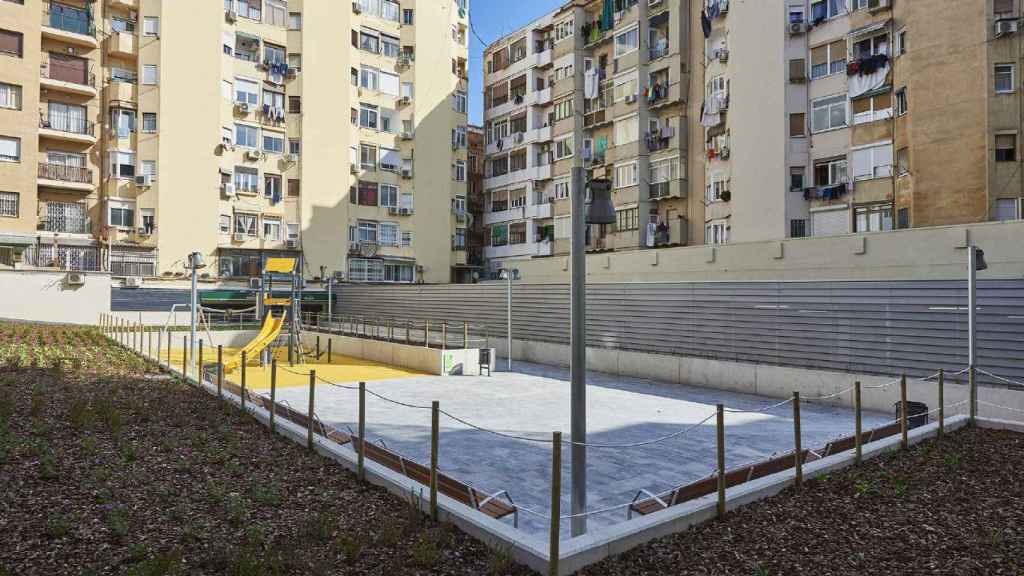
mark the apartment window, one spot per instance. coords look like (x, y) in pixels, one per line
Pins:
(295, 21)
(1008, 209)
(227, 90)
(368, 156)
(903, 161)
(368, 116)
(872, 162)
(277, 13)
(273, 143)
(903, 218)
(10, 149)
(828, 59)
(625, 85)
(10, 96)
(564, 148)
(797, 70)
(797, 121)
(1006, 147)
(121, 214)
(295, 61)
(272, 186)
(251, 9)
(626, 42)
(367, 194)
(715, 191)
(459, 102)
(9, 204)
(563, 30)
(626, 175)
(389, 195)
(247, 179)
(121, 120)
(796, 178)
(716, 232)
(827, 9)
(459, 137)
(148, 168)
(388, 234)
(149, 74)
(369, 42)
(11, 43)
(499, 165)
(407, 16)
(830, 172)
(293, 187)
(369, 78)
(664, 170)
(874, 218)
(798, 228)
(246, 136)
(902, 105)
(627, 129)
(247, 91)
(149, 122)
(561, 189)
(1004, 78)
(390, 159)
(391, 47)
(366, 231)
(828, 113)
(563, 109)
(224, 224)
(245, 224)
(150, 26)
(460, 169)
(122, 164)
(872, 108)
(901, 42)
(227, 136)
(273, 54)
(294, 104)
(271, 228)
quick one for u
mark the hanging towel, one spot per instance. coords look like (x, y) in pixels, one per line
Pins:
(705, 24)
(590, 84)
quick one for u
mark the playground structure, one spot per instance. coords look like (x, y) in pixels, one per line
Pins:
(260, 349)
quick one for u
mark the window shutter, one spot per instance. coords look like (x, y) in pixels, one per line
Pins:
(862, 164)
(1002, 6)
(10, 42)
(796, 124)
(797, 69)
(838, 50)
(819, 55)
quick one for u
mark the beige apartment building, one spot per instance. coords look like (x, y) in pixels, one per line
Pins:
(749, 121)
(133, 132)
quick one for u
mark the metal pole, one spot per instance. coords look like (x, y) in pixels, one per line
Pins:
(556, 501)
(465, 335)
(360, 469)
(798, 463)
(199, 372)
(273, 393)
(185, 356)
(435, 429)
(426, 333)
(972, 304)
(242, 395)
(330, 299)
(312, 412)
(149, 343)
(194, 299)
(973, 382)
(159, 346)
(220, 371)
(720, 445)
(329, 341)
(858, 424)
(508, 331)
(904, 441)
(444, 335)
(942, 401)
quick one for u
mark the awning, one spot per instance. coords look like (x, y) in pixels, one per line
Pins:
(869, 29)
(875, 92)
(659, 19)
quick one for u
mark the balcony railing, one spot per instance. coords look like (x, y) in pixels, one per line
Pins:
(66, 218)
(68, 124)
(63, 73)
(68, 19)
(64, 173)
(659, 190)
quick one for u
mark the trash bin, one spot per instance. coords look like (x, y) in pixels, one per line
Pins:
(485, 356)
(917, 414)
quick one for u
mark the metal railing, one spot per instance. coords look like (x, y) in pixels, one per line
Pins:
(67, 123)
(62, 73)
(66, 217)
(64, 173)
(441, 334)
(78, 258)
(68, 19)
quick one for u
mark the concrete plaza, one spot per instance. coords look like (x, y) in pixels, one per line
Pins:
(533, 400)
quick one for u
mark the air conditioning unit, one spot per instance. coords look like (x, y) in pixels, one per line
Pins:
(255, 283)
(242, 107)
(876, 5)
(406, 173)
(405, 211)
(403, 62)
(75, 279)
(357, 8)
(353, 168)
(228, 189)
(238, 237)
(797, 27)
(724, 153)
(133, 282)
(143, 180)
(339, 276)
(406, 135)
(1005, 27)
(292, 243)
(722, 54)
(631, 99)
(253, 155)
(230, 15)
(723, 6)
(404, 101)
(291, 158)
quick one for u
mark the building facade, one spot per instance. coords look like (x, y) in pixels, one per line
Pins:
(242, 129)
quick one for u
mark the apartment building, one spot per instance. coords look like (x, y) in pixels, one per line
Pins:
(243, 129)
(469, 211)
(633, 101)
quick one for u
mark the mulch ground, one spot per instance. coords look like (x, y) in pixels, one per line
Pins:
(115, 469)
(949, 506)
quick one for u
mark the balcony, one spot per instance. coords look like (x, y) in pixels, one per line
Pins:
(126, 4)
(121, 44)
(64, 177)
(56, 75)
(68, 24)
(64, 218)
(542, 210)
(667, 190)
(121, 90)
(542, 59)
(67, 128)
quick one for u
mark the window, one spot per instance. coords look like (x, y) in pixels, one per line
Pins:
(716, 232)
(626, 42)
(797, 121)
(121, 214)
(122, 121)
(247, 180)
(625, 85)
(10, 149)
(391, 47)
(407, 16)
(798, 228)
(11, 43)
(625, 175)
(390, 159)
(273, 143)
(293, 187)
(874, 218)
(797, 70)
(1004, 78)
(368, 156)
(1006, 147)
(367, 194)
(1008, 209)
(366, 231)
(150, 26)
(872, 108)
(277, 13)
(459, 137)
(717, 190)
(369, 41)
(224, 224)
(294, 104)
(272, 187)
(902, 105)
(148, 167)
(664, 170)
(389, 195)
(9, 204)
(627, 219)
(561, 189)
(564, 148)
(563, 109)
(245, 224)
(563, 30)
(10, 96)
(827, 9)
(226, 136)
(250, 9)
(903, 218)
(149, 74)
(828, 113)
(273, 54)
(293, 231)
(828, 59)
(247, 91)
(246, 136)
(459, 102)
(122, 164)
(295, 61)
(627, 129)
(149, 122)
(872, 162)
(271, 228)
(903, 161)
(388, 234)
(227, 90)
(796, 178)
(901, 42)
(295, 21)
(369, 78)
(368, 115)
(460, 169)
(830, 172)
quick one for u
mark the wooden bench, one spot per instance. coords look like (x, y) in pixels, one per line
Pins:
(490, 504)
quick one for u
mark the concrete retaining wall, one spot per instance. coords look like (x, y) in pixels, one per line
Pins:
(46, 296)
(422, 359)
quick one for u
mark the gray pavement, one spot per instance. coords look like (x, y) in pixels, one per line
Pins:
(533, 401)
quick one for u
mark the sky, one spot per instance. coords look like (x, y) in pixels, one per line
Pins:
(493, 19)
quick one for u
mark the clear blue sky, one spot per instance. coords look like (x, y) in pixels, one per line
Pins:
(493, 19)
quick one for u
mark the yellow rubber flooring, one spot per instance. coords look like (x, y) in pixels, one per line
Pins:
(342, 369)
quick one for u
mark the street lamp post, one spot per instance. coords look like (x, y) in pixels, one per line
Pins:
(975, 263)
(508, 275)
(195, 262)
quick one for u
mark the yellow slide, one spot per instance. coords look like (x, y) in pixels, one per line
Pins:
(268, 333)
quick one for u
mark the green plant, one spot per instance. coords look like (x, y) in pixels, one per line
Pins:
(760, 570)
(38, 402)
(57, 525)
(321, 527)
(79, 414)
(117, 522)
(48, 467)
(236, 509)
(952, 460)
(137, 551)
(165, 564)
(426, 551)
(351, 548)
(500, 561)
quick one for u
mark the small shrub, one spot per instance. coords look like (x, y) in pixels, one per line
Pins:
(236, 509)
(426, 551)
(79, 414)
(501, 561)
(351, 548)
(48, 467)
(166, 564)
(117, 522)
(137, 552)
(38, 402)
(57, 526)
(321, 527)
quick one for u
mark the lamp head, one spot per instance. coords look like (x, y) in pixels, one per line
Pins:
(196, 261)
(600, 210)
(979, 260)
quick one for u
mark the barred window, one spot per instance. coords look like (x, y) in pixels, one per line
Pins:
(9, 204)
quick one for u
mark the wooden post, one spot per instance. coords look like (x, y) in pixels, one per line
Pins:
(199, 362)
(159, 346)
(149, 343)
(135, 337)
(973, 383)
(169, 338)
(408, 330)
(242, 394)
(556, 501)
(721, 460)
(857, 424)
(444, 335)
(942, 402)
(904, 441)
(360, 470)
(312, 411)
(220, 371)
(273, 393)
(426, 333)
(318, 346)
(798, 464)
(465, 335)
(435, 428)
(329, 341)
(184, 356)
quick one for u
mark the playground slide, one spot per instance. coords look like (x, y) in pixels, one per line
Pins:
(268, 333)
